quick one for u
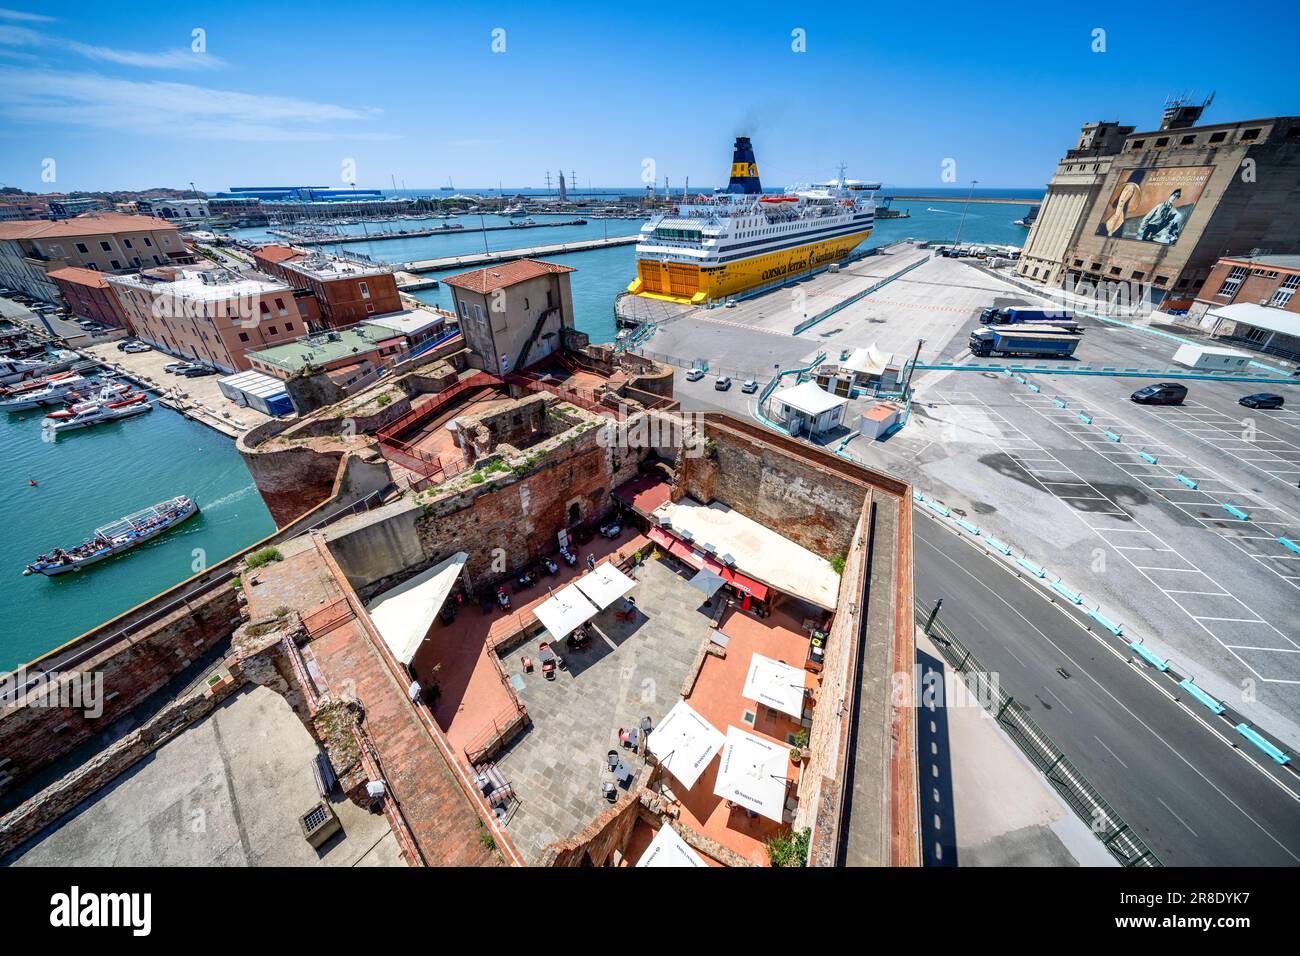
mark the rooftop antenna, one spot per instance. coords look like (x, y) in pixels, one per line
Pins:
(843, 167)
(548, 180)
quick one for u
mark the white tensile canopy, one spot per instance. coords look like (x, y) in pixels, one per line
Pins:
(754, 772)
(684, 743)
(564, 611)
(404, 614)
(669, 849)
(605, 585)
(776, 684)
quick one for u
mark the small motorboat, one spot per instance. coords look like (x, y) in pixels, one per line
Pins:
(122, 535)
(54, 393)
(96, 412)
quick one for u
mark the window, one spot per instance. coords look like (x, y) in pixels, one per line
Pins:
(1138, 144)
(1284, 292)
(1162, 280)
(1115, 270)
(81, 247)
(1248, 135)
(265, 310)
(1218, 137)
(1187, 141)
(127, 243)
(148, 242)
(279, 304)
(370, 307)
(365, 290)
(288, 326)
(1231, 284)
(464, 308)
(271, 330)
(1162, 142)
(116, 265)
(1137, 274)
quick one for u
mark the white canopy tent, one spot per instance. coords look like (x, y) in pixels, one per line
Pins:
(605, 585)
(776, 684)
(564, 611)
(669, 849)
(684, 743)
(754, 772)
(405, 613)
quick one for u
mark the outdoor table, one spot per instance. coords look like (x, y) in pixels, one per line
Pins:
(623, 772)
(645, 724)
(633, 737)
(545, 655)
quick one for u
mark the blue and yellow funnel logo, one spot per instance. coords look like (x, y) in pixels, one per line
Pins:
(744, 171)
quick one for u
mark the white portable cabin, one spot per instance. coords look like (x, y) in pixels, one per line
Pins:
(1211, 357)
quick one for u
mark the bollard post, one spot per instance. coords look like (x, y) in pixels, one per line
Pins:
(934, 612)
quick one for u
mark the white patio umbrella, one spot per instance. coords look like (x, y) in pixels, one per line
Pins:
(753, 773)
(605, 585)
(776, 684)
(707, 581)
(684, 743)
(669, 849)
(564, 611)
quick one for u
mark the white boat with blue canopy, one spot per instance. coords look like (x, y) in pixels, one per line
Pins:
(121, 535)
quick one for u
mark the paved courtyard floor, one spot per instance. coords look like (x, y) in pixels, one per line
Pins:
(633, 670)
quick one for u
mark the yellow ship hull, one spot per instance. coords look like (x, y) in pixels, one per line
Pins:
(687, 282)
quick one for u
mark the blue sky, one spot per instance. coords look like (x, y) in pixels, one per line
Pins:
(288, 93)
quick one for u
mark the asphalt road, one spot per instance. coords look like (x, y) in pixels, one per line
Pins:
(1171, 774)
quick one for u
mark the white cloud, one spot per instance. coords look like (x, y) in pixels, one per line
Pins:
(180, 59)
(175, 110)
(6, 14)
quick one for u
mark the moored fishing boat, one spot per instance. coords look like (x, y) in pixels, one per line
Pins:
(121, 535)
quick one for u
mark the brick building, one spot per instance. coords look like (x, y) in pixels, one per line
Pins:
(105, 242)
(1160, 207)
(347, 291)
(89, 296)
(213, 316)
(1252, 300)
(515, 313)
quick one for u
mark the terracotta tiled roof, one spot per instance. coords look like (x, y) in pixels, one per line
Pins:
(505, 274)
(276, 253)
(79, 276)
(89, 225)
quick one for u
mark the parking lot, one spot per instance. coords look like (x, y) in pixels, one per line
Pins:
(1129, 504)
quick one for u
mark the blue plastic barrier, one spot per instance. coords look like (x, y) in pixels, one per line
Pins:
(1187, 481)
(1236, 512)
(1107, 623)
(939, 509)
(1112, 436)
(1190, 686)
(1087, 420)
(1032, 568)
(917, 496)
(1147, 656)
(1277, 755)
(967, 526)
(1149, 457)
(1289, 544)
(1058, 403)
(997, 545)
(1034, 388)
(1065, 592)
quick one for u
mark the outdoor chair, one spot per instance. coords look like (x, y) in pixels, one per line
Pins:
(612, 757)
(608, 789)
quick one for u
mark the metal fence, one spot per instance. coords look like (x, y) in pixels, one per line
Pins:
(1116, 835)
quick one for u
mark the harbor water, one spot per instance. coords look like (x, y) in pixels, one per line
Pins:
(89, 478)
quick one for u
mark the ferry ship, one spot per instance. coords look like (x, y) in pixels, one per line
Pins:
(122, 535)
(733, 241)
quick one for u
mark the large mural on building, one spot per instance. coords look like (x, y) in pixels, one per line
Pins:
(1153, 203)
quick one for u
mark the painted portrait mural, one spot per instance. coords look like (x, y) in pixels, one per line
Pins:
(1153, 204)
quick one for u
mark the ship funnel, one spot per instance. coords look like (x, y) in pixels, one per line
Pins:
(744, 171)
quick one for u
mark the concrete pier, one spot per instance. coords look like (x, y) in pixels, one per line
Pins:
(504, 255)
(415, 233)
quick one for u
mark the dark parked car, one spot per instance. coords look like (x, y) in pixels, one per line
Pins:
(197, 371)
(1261, 400)
(1166, 393)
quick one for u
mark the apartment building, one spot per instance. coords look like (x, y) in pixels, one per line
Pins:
(107, 242)
(347, 290)
(1252, 300)
(213, 316)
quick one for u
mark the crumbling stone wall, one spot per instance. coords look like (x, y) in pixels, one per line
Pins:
(32, 735)
(793, 496)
